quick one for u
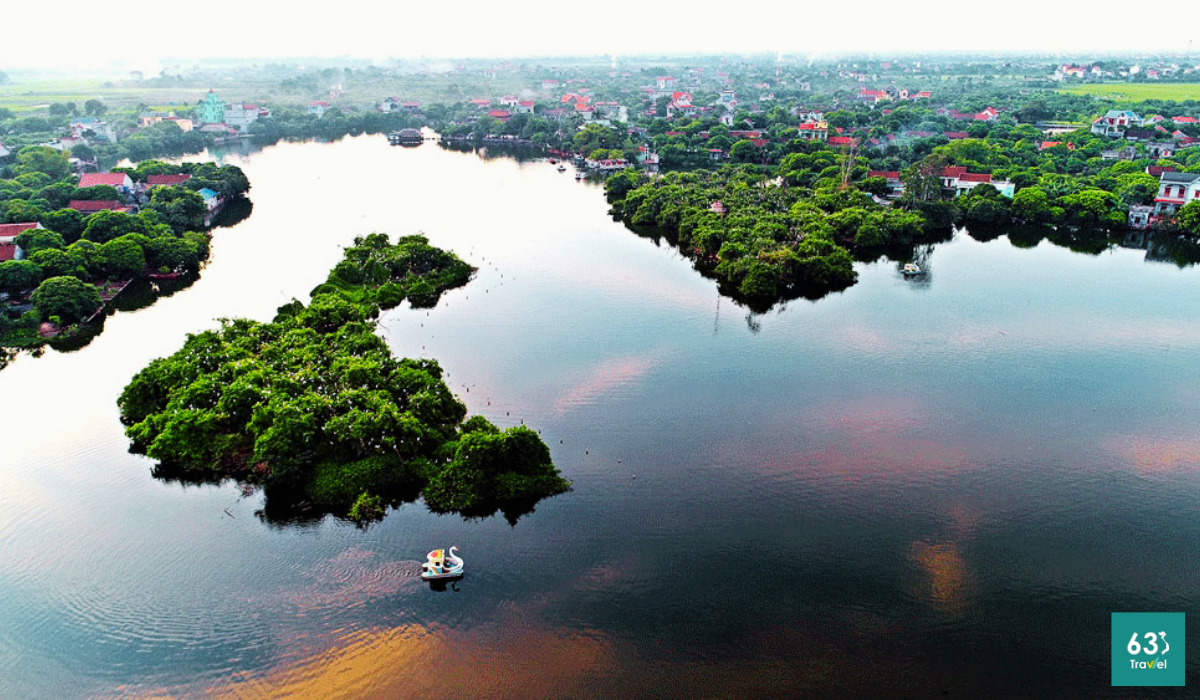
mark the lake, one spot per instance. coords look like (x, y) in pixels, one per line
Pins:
(917, 487)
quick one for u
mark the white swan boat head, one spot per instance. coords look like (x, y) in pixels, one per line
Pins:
(442, 564)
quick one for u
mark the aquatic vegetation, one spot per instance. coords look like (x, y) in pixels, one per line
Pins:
(314, 406)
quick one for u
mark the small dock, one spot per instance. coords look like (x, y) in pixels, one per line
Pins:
(405, 137)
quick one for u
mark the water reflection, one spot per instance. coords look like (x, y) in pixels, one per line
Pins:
(942, 480)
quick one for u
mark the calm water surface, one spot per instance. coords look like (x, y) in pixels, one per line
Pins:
(906, 488)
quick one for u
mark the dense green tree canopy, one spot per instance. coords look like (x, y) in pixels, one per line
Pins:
(68, 298)
(315, 405)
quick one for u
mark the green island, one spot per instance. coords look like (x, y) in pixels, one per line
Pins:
(69, 246)
(313, 407)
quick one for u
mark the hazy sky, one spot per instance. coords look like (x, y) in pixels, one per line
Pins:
(75, 34)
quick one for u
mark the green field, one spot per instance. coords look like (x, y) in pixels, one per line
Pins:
(1139, 91)
(37, 96)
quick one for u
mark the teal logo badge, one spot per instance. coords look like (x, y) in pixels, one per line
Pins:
(1147, 648)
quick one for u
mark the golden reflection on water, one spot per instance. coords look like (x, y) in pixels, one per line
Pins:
(515, 660)
(945, 573)
(1151, 455)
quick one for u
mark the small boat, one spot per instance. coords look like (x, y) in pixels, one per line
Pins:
(562, 168)
(578, 176)
(441, 564)
(552, 161)
(912, 269)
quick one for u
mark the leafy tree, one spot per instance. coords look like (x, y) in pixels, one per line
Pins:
(181, 209)
(923, 179)
(94, 107)
(315, 404)
(1032, 206)
(67, 222)
(35, 239)
(1188, 218)
(17, 276)
(65, 297)
(122, 258)
(43, 159)
(59, 109)
(105, 225)
(60, 263)
(1136, 188)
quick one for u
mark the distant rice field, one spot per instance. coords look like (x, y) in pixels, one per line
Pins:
(38, 95)
(1139, 91)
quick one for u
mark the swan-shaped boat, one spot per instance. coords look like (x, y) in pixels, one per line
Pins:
(440, 564)
(912, 269)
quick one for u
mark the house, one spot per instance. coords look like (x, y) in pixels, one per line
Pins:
(211, 110)
(211, 200)
(1116, 122)
(814, 131)
(167, 180)
(607, 110)
(1158, 170)
(389, 105)
(716, 154)
(92, 128)
(1140, 216)
(585, 111)
(121, 181)
(1175, 190)
(525, 107)
(1184, 120)
(840, 141)
(239, 116)
(183, 123)
(410, 107)
(956, 135)
(9, 250)
(146, 119)
(501, 114)
(1141, 134)
(88, 206)
(921, 95)
(958, 179)
(318, 109)
(894, 183)
(873, 96)
(509, 101)
(1052, 144)
(665, 83)
(481, 103)
(550, 84)
(1160, 149)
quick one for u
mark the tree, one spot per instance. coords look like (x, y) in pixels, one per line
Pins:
(1136, 188)
(35, 239)
(60, 263)
(1032, 206)
(1188, 219)
(104, 226)
(43, 159)
(66, 297)
(94, 107)
(179, 208)
(59, 109)
(17, 276)
(122, 258)
(923, 179)
(67, 222)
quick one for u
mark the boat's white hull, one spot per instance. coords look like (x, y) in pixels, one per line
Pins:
(429, 576)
